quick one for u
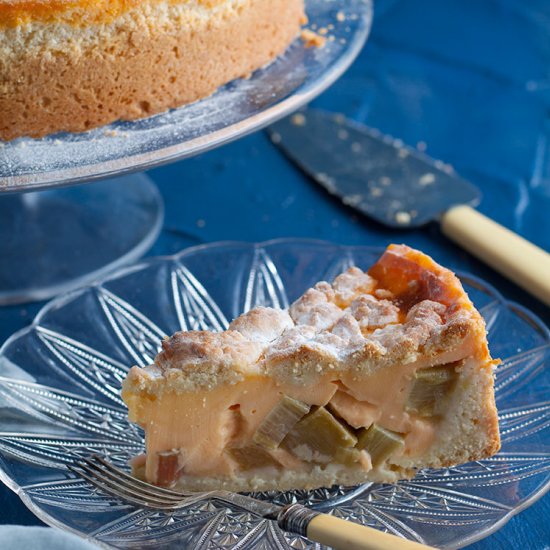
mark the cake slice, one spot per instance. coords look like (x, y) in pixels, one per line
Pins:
(365, 379)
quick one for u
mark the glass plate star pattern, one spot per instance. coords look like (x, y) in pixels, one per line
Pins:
(59, 400)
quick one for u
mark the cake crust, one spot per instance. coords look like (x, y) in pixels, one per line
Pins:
(152, 56)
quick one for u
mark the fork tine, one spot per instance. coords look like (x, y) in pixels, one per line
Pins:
(137, 487)
(159, 490)
(108, 468)
(106, 485)
(112, 480)
(108, 481)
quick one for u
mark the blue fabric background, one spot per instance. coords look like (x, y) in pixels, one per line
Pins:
(471, 80)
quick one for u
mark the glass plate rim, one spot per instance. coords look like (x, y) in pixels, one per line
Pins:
(486, 287)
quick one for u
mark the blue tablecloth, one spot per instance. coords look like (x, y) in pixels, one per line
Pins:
(468, 79)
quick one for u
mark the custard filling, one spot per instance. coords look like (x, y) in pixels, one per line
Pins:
(257, 424)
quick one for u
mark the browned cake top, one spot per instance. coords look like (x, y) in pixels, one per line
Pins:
(405, 309)
(79, 12)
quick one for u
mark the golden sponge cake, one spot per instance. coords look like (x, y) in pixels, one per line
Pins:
(72, 65)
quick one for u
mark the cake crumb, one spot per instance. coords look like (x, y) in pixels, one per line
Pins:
(403, 153)
(440, 165)
(340, 16)
(448, 168)
(352, 200)
(339, 118)
(383, 294)
(343, 134)
(403, 218)
(312, 39)
(298, 119)
(426, 179)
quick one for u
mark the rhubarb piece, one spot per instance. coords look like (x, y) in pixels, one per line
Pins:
(252, 457)
(276, 425)
(379, 443)
(348, 457)
(318, 437)
(429, 390)
(168, 468)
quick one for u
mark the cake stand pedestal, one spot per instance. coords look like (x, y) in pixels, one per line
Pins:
(55, 240)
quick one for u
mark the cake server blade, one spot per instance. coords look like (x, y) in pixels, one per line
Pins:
(400, 187)
(373, 173)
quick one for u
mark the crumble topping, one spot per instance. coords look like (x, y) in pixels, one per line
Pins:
(373, 313)
(353, 321)
(311, 39)
(349, 284)
(262, 324)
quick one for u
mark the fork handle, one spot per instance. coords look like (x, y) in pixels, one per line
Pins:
(339, 533)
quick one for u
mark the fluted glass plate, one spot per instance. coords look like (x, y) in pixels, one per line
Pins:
(238, 108)
(59, 400)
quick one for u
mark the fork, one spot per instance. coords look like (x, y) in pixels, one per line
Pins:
(294, 518)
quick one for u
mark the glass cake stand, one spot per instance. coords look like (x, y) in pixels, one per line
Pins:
(58, 239)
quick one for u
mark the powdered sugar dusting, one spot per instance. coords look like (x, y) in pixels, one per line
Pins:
(316, 308)
(349, 284)
(372, 313)
(262, 324)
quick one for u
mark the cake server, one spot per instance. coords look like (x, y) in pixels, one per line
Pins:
(400, 187)
(293, 518)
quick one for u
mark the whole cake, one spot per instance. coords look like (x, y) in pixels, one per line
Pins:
(368, 378)
(72, 65)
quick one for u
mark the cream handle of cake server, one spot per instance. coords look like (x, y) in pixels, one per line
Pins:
(513, 256)
(345, 535)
